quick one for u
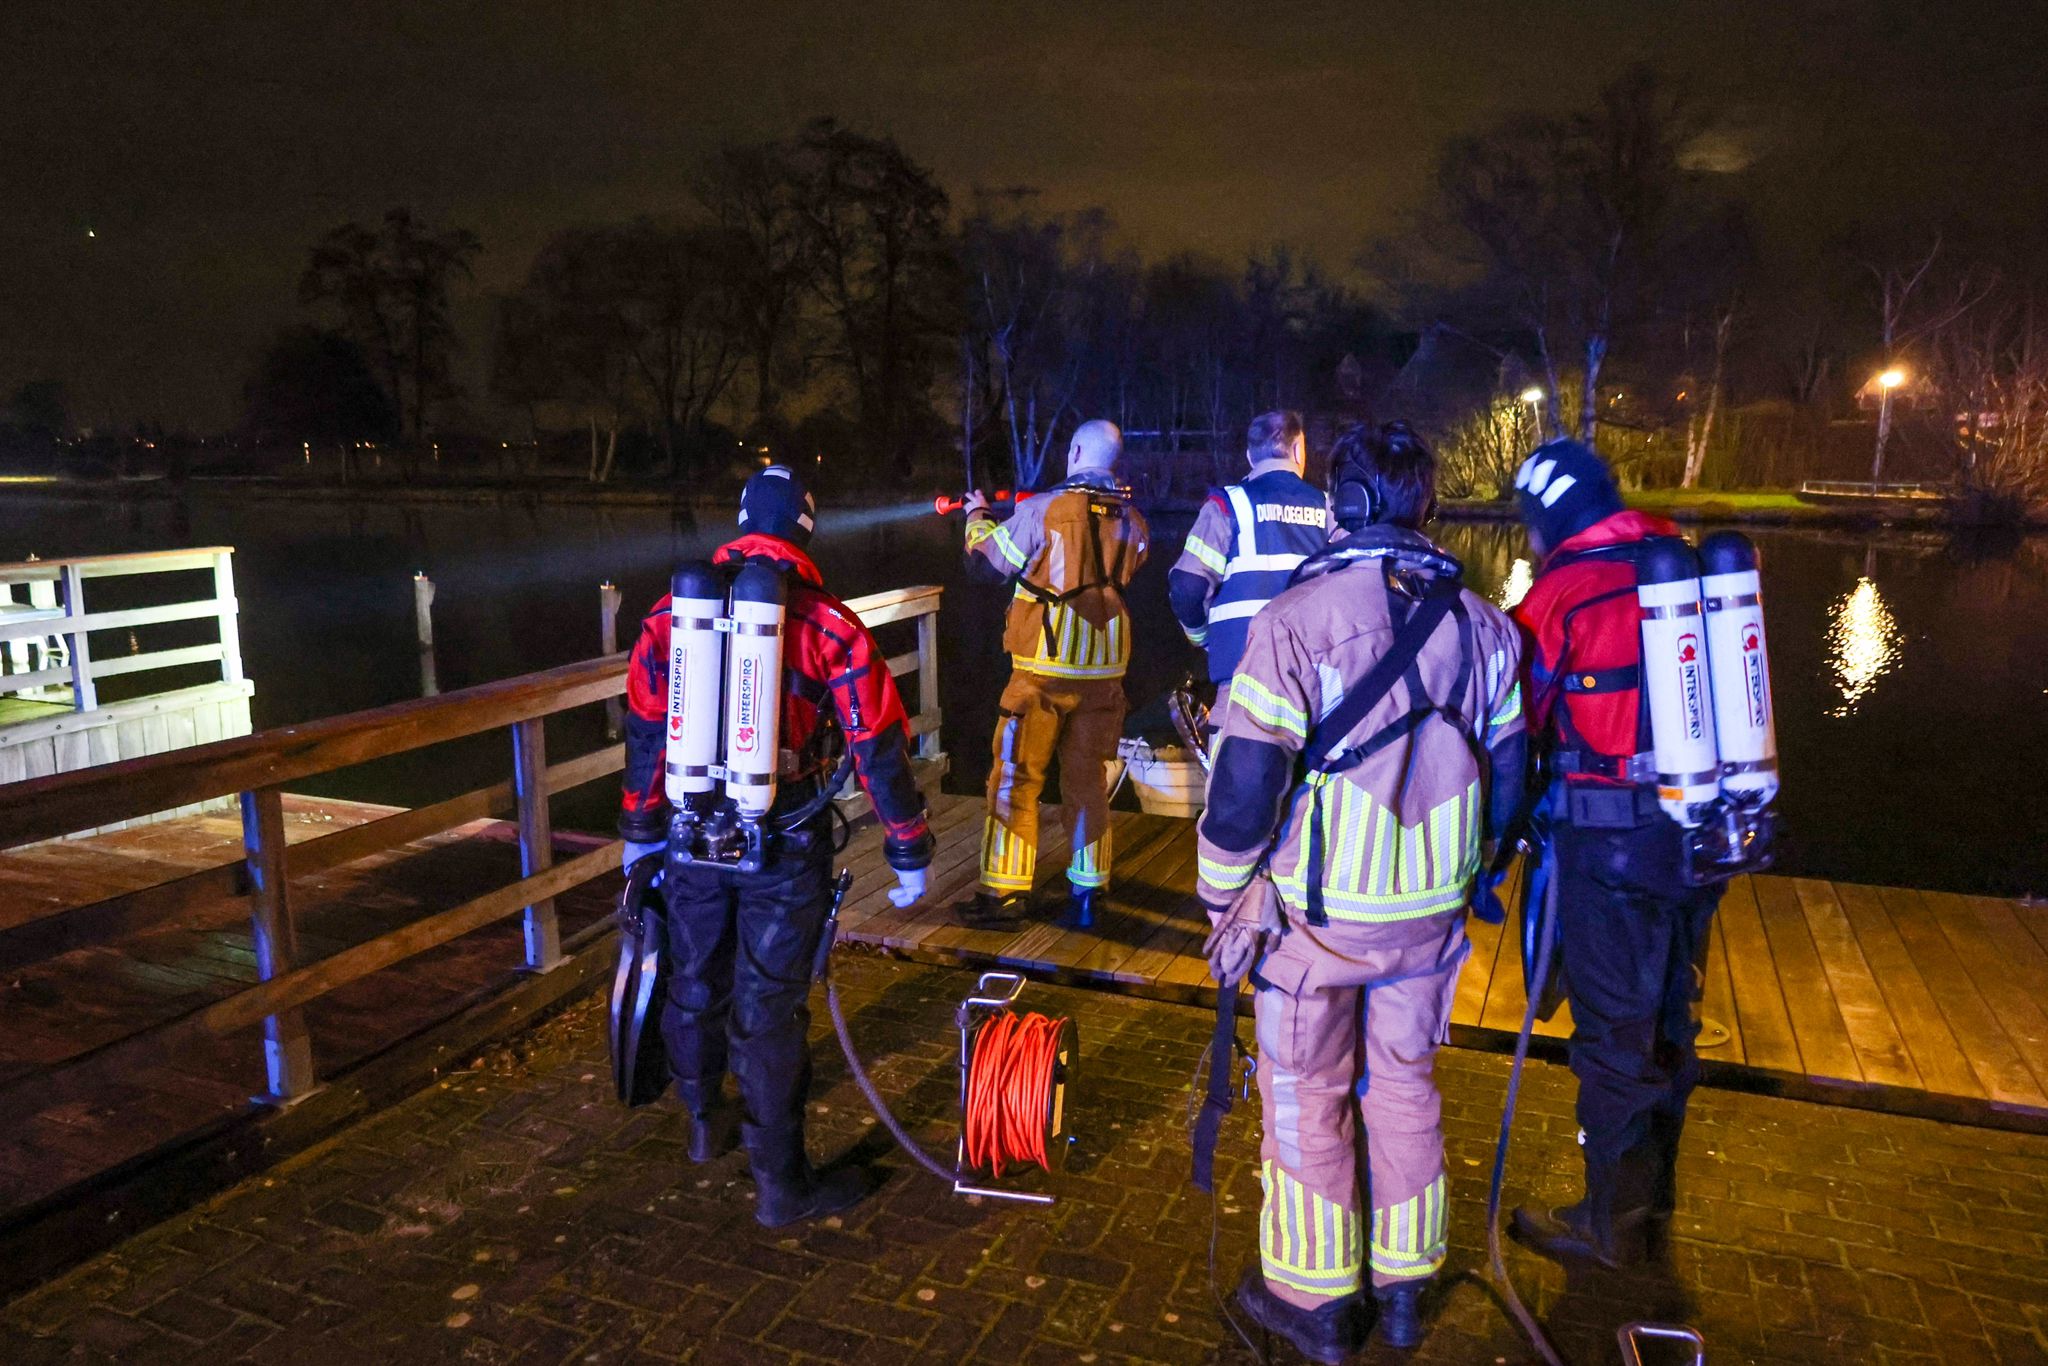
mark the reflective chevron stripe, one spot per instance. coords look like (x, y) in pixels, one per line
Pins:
(1408, 1239)
(1306, 1242)
(1008, 862)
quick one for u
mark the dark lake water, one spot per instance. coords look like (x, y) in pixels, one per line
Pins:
(1911, 671)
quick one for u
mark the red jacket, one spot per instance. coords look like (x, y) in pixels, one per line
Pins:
(827, 656)
(1597, 595)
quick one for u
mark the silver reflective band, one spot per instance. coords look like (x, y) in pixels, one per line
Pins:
(747, 628)
(1752, 766)
(1740, 600)
(1706, 779)
(733, 779)
(1683, 609)
(696, 623)
(689, 771)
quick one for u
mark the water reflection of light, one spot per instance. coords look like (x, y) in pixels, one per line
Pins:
(1521, 576)
(1863, 643)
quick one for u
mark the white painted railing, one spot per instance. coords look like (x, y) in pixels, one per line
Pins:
(46, 623)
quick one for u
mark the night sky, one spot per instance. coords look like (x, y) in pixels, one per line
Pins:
(164, 165)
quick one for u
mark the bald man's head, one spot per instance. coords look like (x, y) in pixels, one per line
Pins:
(1097, 446)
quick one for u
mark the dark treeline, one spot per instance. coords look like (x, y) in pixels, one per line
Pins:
(820, 298)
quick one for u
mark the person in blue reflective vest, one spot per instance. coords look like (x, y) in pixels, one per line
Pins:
(1246, 543)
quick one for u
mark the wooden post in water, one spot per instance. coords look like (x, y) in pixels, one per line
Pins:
(287, 1048)
(423, 624)
(608, 598)
(536, 838)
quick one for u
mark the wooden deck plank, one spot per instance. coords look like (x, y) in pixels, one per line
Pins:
(1488, 943)
(1932, 1045)
(1873, 1033)
(1717, 1004)
(1817, 1024)
(1171, 955)
(2001, 1071)
(2009, 972)
(1767, 1038)
(1121, 923)
(1507, 994)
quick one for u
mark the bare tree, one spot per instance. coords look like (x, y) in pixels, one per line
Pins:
(751, 192)
(1912, 302)
(390, 285)
(1570, 222)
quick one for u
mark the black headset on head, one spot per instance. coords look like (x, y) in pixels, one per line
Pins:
(1352, 489)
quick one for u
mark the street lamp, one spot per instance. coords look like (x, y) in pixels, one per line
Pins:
(1887, 381)
(1533, 396)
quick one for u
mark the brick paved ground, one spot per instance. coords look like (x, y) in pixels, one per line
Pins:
(516, 1214)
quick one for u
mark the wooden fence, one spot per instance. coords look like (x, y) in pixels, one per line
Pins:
(255, 770)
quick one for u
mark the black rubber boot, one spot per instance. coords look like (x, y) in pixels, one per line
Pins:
(714, 1133)
(1080, 909)
(808, 1193)
(987, 911)
(1400, 1318)
(1569, 1233)
(1329, 1334)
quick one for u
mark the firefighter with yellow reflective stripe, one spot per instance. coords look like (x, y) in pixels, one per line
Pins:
(1371, 743)
(1069, 552)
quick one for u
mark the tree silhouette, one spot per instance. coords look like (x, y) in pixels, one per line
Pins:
(389, 284)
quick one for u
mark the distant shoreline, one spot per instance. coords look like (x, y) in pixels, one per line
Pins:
(1759, 508)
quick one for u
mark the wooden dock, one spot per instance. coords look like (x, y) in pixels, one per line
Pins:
(68, 1006)
(1885, 998)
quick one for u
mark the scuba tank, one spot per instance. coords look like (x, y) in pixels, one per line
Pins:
(1676, 683)
(753, 689)
(696, 669)
(1706, 680)
(1745, 722)
(723, 740)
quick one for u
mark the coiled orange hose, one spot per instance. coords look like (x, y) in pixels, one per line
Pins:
(1010, 1080)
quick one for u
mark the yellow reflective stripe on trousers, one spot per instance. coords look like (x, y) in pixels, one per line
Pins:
(1008, 863)
(1408, 1239)
(1268, 707)
(1090, 864)
(1306, 1242)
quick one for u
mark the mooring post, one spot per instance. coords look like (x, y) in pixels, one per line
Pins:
(423, 623)
(608, 638)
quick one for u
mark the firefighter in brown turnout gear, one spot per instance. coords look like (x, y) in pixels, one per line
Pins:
(1371, 742)
(1070, 552)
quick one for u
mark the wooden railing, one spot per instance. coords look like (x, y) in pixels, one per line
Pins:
(44, 638)
(256, 768)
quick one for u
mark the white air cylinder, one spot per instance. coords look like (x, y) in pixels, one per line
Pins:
(1745, 720)
(753, 689)
(1676, 681)
(696, 672)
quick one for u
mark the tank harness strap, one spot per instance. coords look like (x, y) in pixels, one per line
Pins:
(1438, 600)
(1223, 1046)
(1106, 577)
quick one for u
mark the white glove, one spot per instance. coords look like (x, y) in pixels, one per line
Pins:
(635, 851)
(909, 887)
